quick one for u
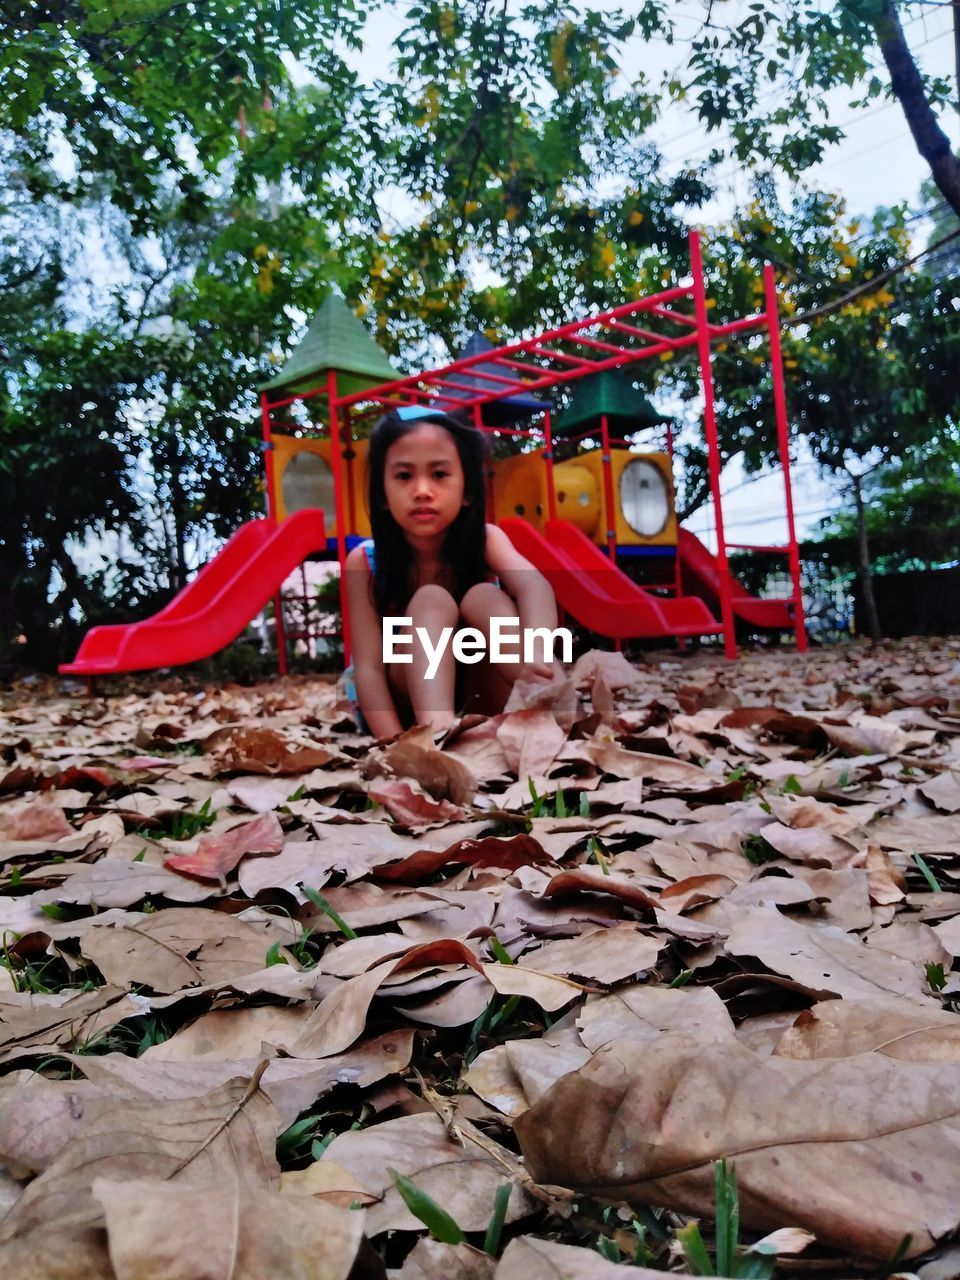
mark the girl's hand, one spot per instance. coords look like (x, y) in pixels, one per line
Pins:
(532, 671)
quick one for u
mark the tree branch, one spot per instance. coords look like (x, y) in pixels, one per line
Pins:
(907, 84)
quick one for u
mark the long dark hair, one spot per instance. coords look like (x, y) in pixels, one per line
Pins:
(465, 545)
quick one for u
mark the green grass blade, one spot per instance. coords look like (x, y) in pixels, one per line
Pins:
(928, 875)
(437, 1221)
(491, 1241)
(608, 1249)
(499, 951)
(320, 901)
(694, 1250)
(728, 1218)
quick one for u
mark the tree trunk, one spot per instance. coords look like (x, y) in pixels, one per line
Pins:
(907, 83)
(864, 572)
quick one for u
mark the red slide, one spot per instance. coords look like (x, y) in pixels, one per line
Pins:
(214, 607)
(702, 574)
(597, 594)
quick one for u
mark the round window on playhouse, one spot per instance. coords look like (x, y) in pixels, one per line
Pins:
(307, 481)
(644, 498)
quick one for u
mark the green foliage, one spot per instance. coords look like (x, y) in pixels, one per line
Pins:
(185, 825)
(931, 879)
(423, 1207)
(491, 1240)
(729, 1261)
(235, 170)
(320, 901)
(936, 977)
(758, 850)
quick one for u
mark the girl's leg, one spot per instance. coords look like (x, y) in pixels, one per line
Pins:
(488, 684)
(431, 608)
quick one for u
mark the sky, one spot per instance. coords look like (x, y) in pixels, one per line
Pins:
(876, 164)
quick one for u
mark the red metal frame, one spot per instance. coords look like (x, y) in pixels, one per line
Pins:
(547, 361)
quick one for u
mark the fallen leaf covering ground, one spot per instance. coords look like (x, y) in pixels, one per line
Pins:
(276, 999)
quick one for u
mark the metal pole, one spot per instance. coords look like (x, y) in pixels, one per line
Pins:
(350, 455)
(270, 479)
(609, 509)
(488, 478)
(783, 444)
(713, 443)
(339, 498)
(548, 459)
(273, 512)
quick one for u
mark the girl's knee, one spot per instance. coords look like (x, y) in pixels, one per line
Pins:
(437, 601)
(484, 600)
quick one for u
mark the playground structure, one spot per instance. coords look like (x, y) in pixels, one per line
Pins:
(572, 519)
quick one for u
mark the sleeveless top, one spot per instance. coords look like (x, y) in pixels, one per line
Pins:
(349, 681)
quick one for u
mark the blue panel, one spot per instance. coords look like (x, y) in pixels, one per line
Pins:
(646, 551)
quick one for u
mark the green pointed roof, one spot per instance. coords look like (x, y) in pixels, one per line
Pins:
(612, 393)
(335, 339)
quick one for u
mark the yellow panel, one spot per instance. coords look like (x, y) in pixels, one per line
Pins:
(303, 472)
(620, 461)
(520, 488)
(578, 498)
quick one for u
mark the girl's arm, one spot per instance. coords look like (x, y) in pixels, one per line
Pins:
(366, 632)
(526, 585)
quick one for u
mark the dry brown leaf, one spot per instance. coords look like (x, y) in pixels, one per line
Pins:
(33, 1023)
(179, 948)
(38, 1117)
(442, 776)
(813, 846)
(115, 882)
(338, 1021)
(545, 989)
(611, 758)
(58, 1255)
(494, 851)
(862, 1151)
(911, 939)
(219, 853)
(233, 1231)
(896, 1028)
(229, 1132)
(248, 750)
(463, 1179)
(431, 1260)
(409, 804)
(39, 818)
(228, 1034)
(291, 1084)
(943, 792)
(599, 955)
(619, 886)
(531, 1259)
(646, 1013)
(530, 741)
(826, 960)
(918, 834)
(326, 1181)
(616, 671)
(805, 811)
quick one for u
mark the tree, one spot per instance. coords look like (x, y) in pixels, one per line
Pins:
(912, 507)
(793, 53)
(871, 385)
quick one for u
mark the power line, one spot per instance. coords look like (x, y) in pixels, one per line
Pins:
(870, 285)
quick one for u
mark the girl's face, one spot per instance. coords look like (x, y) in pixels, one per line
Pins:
(423, 481)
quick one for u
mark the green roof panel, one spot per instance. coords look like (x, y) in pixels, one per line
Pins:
(609, 392)
(335, 339)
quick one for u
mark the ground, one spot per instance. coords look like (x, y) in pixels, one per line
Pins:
(495, 1006)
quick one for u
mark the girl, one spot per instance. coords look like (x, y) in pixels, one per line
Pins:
(435, 560)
